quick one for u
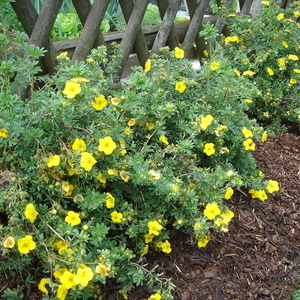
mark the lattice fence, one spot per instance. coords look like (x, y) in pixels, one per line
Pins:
(134, 39)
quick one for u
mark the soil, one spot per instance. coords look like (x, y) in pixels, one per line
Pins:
(259, 258)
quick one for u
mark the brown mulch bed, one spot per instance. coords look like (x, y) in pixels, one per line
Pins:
(259, 258)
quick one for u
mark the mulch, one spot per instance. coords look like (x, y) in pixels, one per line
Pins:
(259, 258)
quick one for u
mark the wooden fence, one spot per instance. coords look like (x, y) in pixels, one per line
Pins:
(134, 39)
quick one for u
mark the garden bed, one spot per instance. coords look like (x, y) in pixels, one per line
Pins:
(257, 259)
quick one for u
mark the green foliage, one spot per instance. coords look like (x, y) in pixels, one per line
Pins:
(104, 171)
(269, 45)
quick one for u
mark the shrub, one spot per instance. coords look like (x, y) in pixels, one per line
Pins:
(103, 170)
(268, 46)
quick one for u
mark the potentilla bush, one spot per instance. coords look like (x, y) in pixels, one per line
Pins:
(265, 49)
(105, 170)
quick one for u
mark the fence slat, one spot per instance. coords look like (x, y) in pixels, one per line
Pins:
(131, 31)
(167, 25)
(83, 8)
(140, 45)
(90, 29)
(172, 40)
(28, 16)
(195, 9)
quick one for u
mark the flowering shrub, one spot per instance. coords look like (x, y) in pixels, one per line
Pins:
(267, 48)
(103, 170)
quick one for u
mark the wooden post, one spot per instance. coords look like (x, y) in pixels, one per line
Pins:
(83, 8)
(90, 30)
(28, 17)
(197, 12)
(131, 31)
(140, 44)
(167, 26)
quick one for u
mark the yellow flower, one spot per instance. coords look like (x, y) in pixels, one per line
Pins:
(264, 136)
(214, 66)
(209, 149)
(293, 81)
(26, 244)
(9, 242)
(154, 227)
(3, 133)
(179, 53)
(69, 280)
(166, 247)
(53, 161)
(293, 57)
(100, 102)
(71, 89)
(206, 121)
(270, 71)
(180, 86)
(59, 272)
(272, 186)
(79, 145)
(84, 274)
(145, 250)
(280, 16)
(249, 144)
(229, 173)
(206, 54)
(42, 285)
(247, 133)
(227, 216)
(87, 161)
(197, 226)
(131, 122)
(101, 178)
(124, 176)
(112, 172)
(248, 100)
(30, 212)
(150, 126)
(62, 54)
(148, 65)
(110, 200)
(155, 296)
(237, 72)
(127, 130)
(103, 269)
(89, 60)
(232, 39)
(164, 139)
(296, 70)
(116, 217)
(62, 292)
(72, 218)
(107, 145)
(281, 62)
(211, 211)
(67, 188)
(297, 14)
(148, 237)
(285, 44)
(248, 72)
(260, 194)
(115, 101)
(229, 193)
(203, 242)
(79, 79)
(154, 175)
(266, 3)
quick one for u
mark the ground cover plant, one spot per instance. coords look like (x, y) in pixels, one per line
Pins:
(103, 171)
